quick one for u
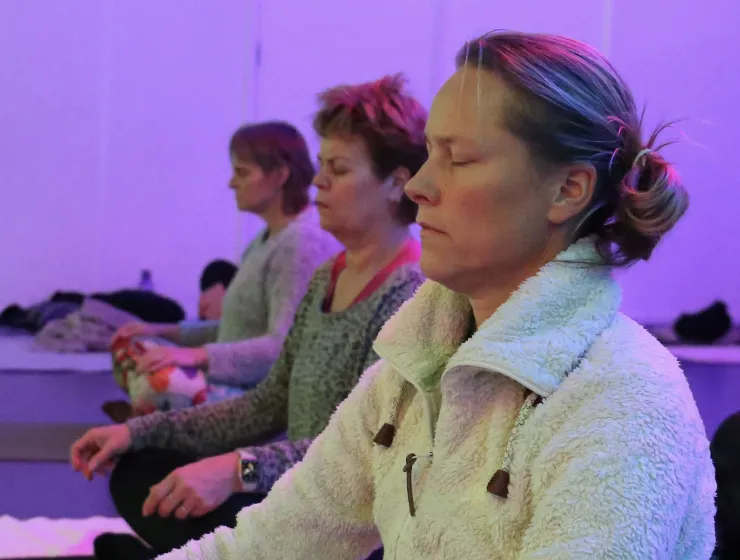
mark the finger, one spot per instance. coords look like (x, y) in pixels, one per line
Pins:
(154, 366)
(79, 452)
(188, 507)
(178, 495)
(144, 363)
(202, 509)
(106, 468)
(156, 494)
(104, 455)
(151, 360)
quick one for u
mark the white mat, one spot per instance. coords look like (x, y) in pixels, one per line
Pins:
(41, 537)
(18, 353)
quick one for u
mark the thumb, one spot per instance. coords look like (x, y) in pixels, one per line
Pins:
(106, 453)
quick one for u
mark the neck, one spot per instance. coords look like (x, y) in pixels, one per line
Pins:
(276, 219)
(486, 300)
(374, 248)
(486, 304)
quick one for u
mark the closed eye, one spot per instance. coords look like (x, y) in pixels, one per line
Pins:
(463, 163)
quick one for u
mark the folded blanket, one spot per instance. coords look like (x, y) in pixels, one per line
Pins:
(88, 330)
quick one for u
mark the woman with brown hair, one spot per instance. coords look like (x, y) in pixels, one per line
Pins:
(272, 174)
(372, 142)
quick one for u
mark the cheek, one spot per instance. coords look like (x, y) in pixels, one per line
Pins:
(495, 216)
(347, 195)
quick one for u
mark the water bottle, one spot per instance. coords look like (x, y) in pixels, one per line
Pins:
(145, 282)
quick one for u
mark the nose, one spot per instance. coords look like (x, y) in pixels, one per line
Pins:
(320, 180)
(232, 183)
(421, 189)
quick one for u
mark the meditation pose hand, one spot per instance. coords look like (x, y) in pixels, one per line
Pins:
(196, 489)
(133, 330)
(159, 357)
(96, 452)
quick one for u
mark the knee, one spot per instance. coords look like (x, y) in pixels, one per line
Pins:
(121, 479)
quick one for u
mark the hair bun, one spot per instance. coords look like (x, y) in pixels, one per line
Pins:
(651, 201)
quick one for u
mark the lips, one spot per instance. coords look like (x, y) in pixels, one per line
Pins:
(429, 228)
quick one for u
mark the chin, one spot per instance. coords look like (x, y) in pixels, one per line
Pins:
(326, 224)
(433, 267)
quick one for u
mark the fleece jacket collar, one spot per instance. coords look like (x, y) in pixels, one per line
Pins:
(536, 337)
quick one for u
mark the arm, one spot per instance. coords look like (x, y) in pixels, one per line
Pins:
(223, 426)
(275, 459)
(620, 486)
(323, 507)
(196, 333)
(286, 281)
(278, 458)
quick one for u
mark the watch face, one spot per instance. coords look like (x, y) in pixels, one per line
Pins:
(250, 472)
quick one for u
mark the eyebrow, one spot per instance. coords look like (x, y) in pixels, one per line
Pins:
(332, 159)
(448, 139)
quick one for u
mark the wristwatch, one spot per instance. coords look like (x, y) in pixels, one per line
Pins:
(249, 470)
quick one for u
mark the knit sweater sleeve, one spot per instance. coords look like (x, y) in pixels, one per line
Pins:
(226, 425)
(198, 333)
(286, 280)
(324, 506)
(276, 459)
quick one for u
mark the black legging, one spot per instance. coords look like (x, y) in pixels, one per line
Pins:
(130, 482)
(137, 472)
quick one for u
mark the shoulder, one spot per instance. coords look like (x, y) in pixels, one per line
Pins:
(379, 387)
(629, 391)
(631, 364)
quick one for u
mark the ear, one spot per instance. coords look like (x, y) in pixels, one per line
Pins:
(281, 175)
(573, 192)
(397, 183)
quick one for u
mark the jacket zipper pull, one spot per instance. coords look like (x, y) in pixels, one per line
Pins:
(410, 460)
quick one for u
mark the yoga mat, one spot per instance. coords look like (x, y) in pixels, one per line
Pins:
(17, 353)
(38, 442)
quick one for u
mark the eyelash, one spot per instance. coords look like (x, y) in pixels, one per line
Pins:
(333, 170)
(461, 163)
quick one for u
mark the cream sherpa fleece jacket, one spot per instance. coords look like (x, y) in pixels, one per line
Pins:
(559, 430)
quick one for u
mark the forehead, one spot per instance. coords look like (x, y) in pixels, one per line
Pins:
(242, 161)
(471, 104)
(345, 146)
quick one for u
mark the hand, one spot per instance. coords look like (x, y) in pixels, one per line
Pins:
(131, 330)
(196, 489)
(96, 452)
(159, 357)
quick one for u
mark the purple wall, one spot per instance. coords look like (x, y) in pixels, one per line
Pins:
(113, 146)
(115, 117)
(681, 58)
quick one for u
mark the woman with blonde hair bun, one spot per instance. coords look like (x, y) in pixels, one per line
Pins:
(515, 413)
